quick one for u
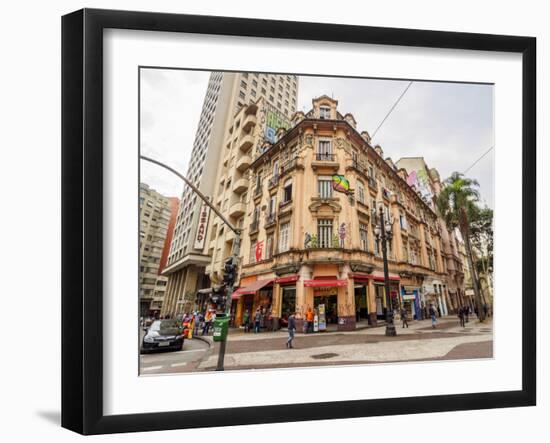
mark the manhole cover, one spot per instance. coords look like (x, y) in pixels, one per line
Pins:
(324, 356)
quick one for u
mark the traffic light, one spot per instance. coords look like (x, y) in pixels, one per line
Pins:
(230, 271)
(217, 297)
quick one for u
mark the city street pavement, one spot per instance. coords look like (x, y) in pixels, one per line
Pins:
(169, 362)
(418, 342)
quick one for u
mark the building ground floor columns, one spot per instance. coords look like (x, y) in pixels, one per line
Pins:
(182, 291)
(332, 297)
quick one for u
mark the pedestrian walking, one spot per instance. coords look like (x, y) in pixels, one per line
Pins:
(207, 323)
(466, 313)
(291, 330)
(433, 315)
(310, 316)
(198, 322)
(257, 320)
(246, 321)
(461, 316)
(404, 317)
(485, 310)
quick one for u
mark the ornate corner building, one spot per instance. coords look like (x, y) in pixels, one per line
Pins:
(305, 203)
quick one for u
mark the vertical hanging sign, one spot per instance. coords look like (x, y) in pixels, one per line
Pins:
(200, 237)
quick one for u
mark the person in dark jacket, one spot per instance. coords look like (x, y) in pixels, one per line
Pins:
(404, 317)
(432, 313)
(257, 320)
(246, 321)
(462, 316)
(291, 330)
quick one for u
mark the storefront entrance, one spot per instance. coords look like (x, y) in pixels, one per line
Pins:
(330, 303)
(361, 305)
(248, 305)
(288, 303)
(410, 300)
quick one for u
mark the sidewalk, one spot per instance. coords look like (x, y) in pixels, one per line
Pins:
(415, 326)
(418, 342)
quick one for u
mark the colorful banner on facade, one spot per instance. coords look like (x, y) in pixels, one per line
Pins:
(421, 182)
(274, 121)
(259, 250)
(341, 184)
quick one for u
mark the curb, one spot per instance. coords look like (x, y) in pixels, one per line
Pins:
(206, 340)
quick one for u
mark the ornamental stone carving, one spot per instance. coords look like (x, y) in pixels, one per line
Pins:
(318, 203)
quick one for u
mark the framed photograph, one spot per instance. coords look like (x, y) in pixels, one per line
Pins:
(271, 221)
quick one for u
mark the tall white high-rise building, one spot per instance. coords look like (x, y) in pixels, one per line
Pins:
(226, 94)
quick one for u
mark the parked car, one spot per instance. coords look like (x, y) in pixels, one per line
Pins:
(163, 335)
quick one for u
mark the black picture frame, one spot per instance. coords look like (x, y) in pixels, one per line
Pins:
(82, 220)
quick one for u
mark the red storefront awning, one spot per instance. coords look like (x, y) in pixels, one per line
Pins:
(359, 277)
(377, 276)
(252, 288)
(325, 282)
(287, 279)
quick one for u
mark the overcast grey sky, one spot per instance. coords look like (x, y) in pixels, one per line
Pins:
(449, 124)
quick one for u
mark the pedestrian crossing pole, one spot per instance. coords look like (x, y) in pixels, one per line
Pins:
(383, 233)
(229, 280)
(234, 253)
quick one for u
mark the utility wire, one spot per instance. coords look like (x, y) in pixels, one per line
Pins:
(391, 109)
(483, 155)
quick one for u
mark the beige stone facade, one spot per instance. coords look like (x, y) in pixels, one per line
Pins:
(446, 294)
(305, 245)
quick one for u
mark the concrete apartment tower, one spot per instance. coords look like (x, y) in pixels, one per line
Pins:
(226, 94)
(157, 215)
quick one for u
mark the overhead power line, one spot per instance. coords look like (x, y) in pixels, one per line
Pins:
(391, 109)
(483, 155)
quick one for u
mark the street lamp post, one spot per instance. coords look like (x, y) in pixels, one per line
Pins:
(235, 251)
(384, 233)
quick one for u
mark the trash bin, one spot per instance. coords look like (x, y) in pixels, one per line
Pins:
(221, 325)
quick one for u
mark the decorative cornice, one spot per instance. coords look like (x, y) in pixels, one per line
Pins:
(317, 203)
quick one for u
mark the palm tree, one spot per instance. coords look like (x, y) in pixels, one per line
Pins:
(457, 206)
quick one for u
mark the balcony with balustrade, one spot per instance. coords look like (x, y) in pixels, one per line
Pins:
(273, 182)
(270, 220)
(249, 122)
(241, 185)
(290, 166)
(254, 227)
(237, 210)
(243, 163)
(325, 160)
(246, 142)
